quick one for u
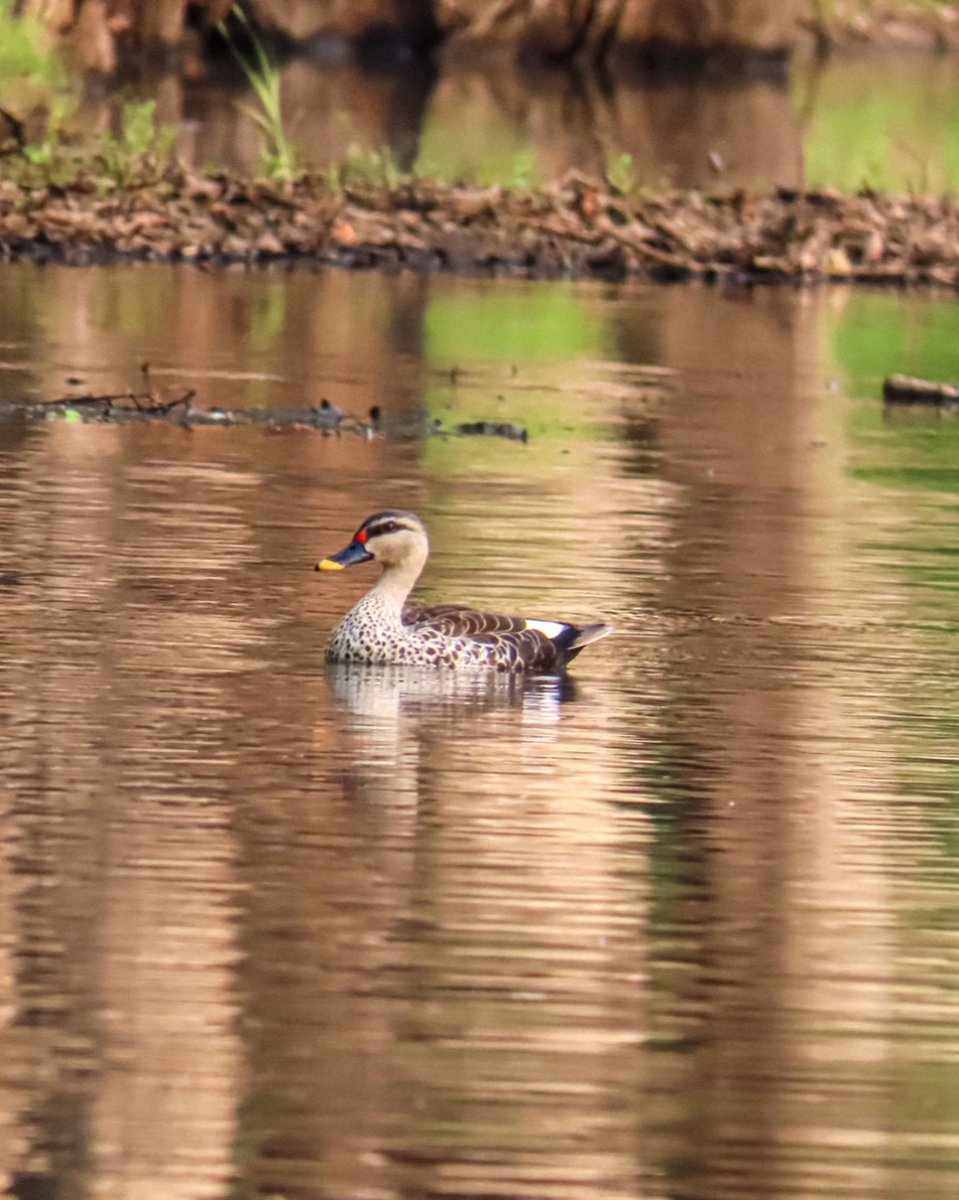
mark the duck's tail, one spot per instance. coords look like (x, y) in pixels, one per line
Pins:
(578, 636)
(589, 633)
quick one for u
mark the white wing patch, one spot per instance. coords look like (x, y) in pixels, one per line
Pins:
(550, 628)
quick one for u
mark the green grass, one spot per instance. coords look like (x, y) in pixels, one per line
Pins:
(33, 76)
(137, 155)
(279, 157)
(363, 167)
(28, 55)
(903, 137)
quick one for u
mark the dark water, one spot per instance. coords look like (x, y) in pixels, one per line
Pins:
(682, 926)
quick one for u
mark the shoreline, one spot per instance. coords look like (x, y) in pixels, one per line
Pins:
(578, 228)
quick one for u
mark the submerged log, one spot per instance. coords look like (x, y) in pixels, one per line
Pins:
(908, 389)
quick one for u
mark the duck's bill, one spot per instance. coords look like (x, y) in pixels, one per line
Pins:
(354, 553)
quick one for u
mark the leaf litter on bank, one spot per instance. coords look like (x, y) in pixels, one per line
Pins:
(576, 227)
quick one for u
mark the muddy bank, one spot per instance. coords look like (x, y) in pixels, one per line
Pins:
(579, 228)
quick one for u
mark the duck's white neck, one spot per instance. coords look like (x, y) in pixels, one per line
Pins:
(395, 584)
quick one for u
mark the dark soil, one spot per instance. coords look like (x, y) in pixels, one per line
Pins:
(580, 227)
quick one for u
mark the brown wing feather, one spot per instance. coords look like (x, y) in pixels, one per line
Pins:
(530, 647)
(512, 642)
(459, 620)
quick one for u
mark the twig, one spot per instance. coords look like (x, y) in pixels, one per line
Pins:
(185, 400)
(89, 398)
(145, 403)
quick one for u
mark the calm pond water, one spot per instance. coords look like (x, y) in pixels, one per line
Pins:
(684, 925)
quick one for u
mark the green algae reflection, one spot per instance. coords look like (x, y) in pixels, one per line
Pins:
(878, 334)
(885, 123)
(904, 461)
(531, 355)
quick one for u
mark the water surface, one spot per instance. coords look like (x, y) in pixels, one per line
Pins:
(680, 925)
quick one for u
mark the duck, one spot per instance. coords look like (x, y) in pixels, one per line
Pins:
(384, 628)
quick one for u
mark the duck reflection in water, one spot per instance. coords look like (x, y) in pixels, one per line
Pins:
(395, 720)
(386, 693)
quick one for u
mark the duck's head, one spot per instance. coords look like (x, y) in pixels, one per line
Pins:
(394, 538)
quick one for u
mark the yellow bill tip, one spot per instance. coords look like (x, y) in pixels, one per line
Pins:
(327, 564)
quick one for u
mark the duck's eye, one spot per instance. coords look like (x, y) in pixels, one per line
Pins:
(389, 527)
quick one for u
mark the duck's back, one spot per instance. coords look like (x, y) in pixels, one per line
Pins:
(510, 643)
